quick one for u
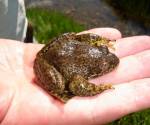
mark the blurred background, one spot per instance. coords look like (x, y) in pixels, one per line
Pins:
(50, 18)
(131, 17)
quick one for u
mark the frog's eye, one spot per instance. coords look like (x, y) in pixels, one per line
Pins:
(103, 49)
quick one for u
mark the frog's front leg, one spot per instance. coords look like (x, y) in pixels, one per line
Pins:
(81, 87)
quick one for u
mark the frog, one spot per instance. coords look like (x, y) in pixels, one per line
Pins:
(64, 66)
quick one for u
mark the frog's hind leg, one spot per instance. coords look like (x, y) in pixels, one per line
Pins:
(87, 38)
(81, 87)
(49, 78)
(94, 40)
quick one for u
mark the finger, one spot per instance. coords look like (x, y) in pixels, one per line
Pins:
(111, 105)
(131, 45)
(130, 68)
(109, 33)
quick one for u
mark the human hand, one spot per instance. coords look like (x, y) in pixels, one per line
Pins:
(23, 102)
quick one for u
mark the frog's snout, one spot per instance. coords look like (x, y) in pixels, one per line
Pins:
(113, 60)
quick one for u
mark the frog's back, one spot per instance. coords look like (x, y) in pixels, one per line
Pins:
(74, 57)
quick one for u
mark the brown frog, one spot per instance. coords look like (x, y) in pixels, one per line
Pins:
(64, 65)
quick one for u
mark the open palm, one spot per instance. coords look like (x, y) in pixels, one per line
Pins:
(23, 102)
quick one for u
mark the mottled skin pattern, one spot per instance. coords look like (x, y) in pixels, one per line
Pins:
(64, 65)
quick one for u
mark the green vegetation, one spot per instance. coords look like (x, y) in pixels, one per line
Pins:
(135, 9)
(139, 118)
(48, 24)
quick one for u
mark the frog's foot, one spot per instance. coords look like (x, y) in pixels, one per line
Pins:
(81, 87)
(64, 97)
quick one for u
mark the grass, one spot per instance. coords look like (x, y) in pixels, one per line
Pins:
(138, 118)
(49, 24)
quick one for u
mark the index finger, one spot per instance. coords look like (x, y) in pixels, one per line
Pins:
(109, 33)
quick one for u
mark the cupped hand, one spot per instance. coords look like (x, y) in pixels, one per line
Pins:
(23, 102)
